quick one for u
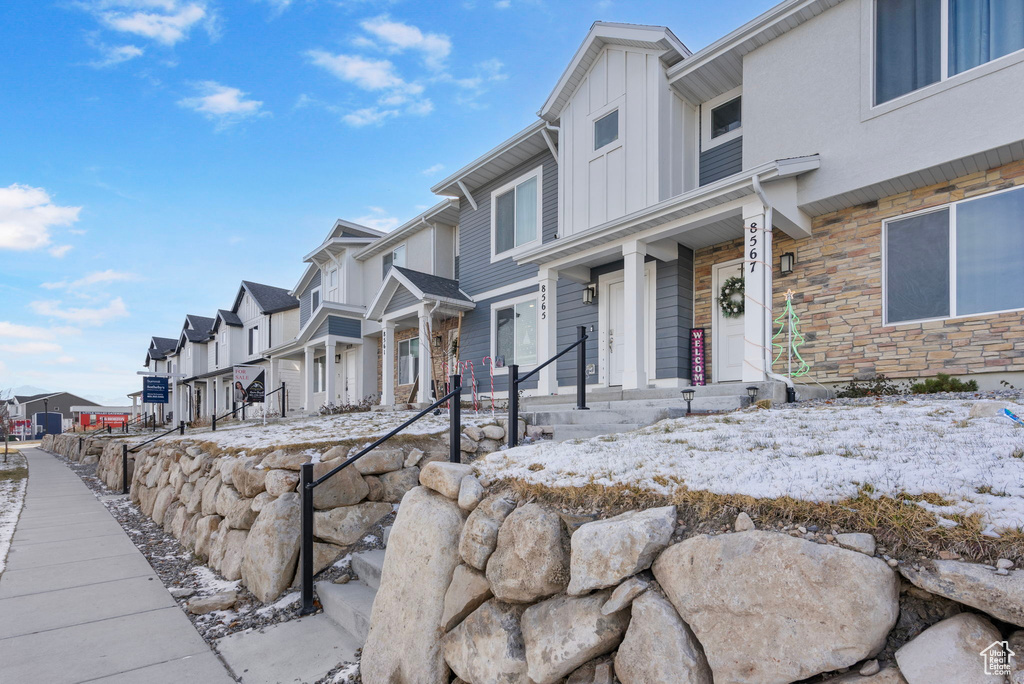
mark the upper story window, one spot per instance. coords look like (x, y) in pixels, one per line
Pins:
(254, 339)
(721, 119)
(395, 257)
(962, 259)
(920, 42)
(314, 299)
(516, 215)
(606, 129)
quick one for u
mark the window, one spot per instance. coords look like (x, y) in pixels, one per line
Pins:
(514, 327)
(188, 351)
(408, 361)
(314, 299)
(606, 129)
(216, 352)
(333, 277)
(912, 50)
(960, 260)
(725, 118)
(320, 374)
(395, 257)
(253, 339)
(515, 214)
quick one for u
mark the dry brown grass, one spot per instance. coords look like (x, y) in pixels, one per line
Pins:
(908, 530)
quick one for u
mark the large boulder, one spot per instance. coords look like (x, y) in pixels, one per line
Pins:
(280, 481)
(468, 590)
(1001, 596)
(163, 500)
(444, 478)
(344, 488)
(605, 552)
(480, 534)
(950, 651)
(659, 648)
(564, 632)
(380, 461)
(346, 525)
(403, 644)
(889, 675)
(801, 608)
(234, 554)
(394, 485)
(206, 534)
(209, 500)
(487, 648)
(531, 560)
(287, 460)
(236, 511)
(272, 548)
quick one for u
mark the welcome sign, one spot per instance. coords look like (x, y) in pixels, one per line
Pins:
(249, 384)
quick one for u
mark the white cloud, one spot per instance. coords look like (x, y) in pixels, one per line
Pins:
(95, 278)
(503, 4)
(30, 332)
(164, 21)
(223, 104)
(433, 170)
(116, 54)
(81, 315)
(60, 251)
(65, 359)
(398, 37)
(378, 219)
(31, 348)
(368, 116)
(28, 214)
(368, 74)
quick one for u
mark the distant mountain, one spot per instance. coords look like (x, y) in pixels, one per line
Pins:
(24, 391)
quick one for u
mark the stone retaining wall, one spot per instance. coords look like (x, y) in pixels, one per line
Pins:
(497, 590)
(77, 448)
(240, 513)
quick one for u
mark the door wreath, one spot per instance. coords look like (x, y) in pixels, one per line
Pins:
(732, 306)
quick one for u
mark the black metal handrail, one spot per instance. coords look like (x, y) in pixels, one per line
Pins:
(179, 428)
(515, 380)
(308, 484)
(213, 421)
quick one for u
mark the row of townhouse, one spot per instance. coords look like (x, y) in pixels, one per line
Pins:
(860, 158)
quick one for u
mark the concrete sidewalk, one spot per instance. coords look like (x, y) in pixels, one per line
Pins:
(78, 601)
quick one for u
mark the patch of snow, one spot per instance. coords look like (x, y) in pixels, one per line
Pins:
(12, 496)
(283, 602)
(209, 583)
(818, 453)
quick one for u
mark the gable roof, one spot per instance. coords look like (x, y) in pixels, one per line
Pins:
(159, 348)
(445, 212)
(229, 318)
(602, 34)
(423, 286)
(268, 298)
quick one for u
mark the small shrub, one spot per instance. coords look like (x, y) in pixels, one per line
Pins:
(764, 403)
(943, 383)
(336, 409)
(878, 386)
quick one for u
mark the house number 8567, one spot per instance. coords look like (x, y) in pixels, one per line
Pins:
(752, 253)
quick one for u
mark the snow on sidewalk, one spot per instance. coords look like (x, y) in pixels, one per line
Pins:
(816, 453)
(13, 484)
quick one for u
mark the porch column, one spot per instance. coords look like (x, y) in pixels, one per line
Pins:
(308, 372)
(329, 386)
(547, 330)
(757, 303)
(387, 372)
(425, 346)
(135, 409)
(211, 398)
(634, 372)
(219, 393)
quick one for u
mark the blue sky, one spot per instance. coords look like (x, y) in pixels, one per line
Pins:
(157, 152)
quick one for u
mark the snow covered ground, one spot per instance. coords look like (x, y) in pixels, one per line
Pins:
(13, 483)
(814, 453)
(326, 429)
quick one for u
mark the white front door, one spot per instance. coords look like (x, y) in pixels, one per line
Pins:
(611, 318)
(351, 390)
(726, 332)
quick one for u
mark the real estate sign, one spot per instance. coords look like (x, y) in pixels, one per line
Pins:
(154, 390)
(250, 384)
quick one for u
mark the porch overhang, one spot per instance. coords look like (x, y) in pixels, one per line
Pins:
(521, 147)
(398, 278)
(697, 215)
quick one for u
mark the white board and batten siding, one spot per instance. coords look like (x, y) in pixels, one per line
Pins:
(645, 164)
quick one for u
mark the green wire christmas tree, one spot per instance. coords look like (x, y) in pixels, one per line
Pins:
(789, 324)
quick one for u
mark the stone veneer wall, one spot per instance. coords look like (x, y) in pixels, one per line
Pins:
(493, 589)
(837, 283)
(441, 326)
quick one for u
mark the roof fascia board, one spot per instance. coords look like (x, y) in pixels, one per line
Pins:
(445, 187)
(387, 290)
(410, 227)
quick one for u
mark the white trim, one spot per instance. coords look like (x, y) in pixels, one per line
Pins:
(394, 255)
(706, 141)
(506, 289)
(947, 207)
(716, 355)
(618, 104)
(537, 172)
(318, 291)
(650, 336)
(870, 109)
(505, 304)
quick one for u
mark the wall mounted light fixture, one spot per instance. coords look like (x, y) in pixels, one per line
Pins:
(786, 262)
(589, 292)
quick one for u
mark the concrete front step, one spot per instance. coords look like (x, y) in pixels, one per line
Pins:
(563, 433)
(349, 606)
(709, 404)
(603, 417)
(776, 391)
(368, 566)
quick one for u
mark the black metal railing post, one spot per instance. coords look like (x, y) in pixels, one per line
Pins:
(124, 468)
(283, 406)
(306, 548)
(213, 423)
(513, 405)
(581, 369)
(455, 421)
(181, 427)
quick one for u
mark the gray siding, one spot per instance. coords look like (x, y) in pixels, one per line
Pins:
(339, 325)
(476, 272)
(476, 344)
(306, 300)
(721, 161)
(572, 312)
(400, 300)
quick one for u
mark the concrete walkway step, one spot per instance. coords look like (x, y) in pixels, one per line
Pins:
(368, 565)
(349, 606)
